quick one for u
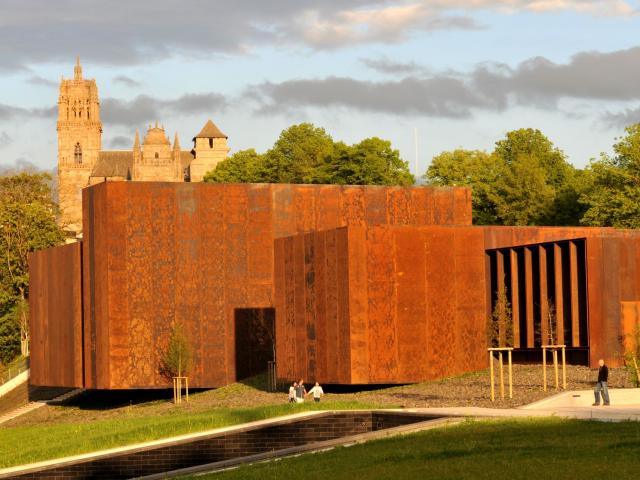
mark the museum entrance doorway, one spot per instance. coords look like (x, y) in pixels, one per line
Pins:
(255, 340)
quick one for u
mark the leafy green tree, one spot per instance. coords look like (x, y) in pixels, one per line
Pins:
(371, 162)
(298, 155)
(538, 187)
(475, 169)
(525, 181)
(611, 185)
(307, 154)
(27, 223)
(245, 166)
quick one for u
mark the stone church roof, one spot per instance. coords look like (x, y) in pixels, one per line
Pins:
(114, 163)
(118, 163)
(210, 131)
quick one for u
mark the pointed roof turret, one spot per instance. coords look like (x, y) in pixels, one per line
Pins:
(77, 70)
(136, 142)
(176, 142)
(210, 131)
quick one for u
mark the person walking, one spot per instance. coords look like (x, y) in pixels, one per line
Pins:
(300, 391)
(292, 392)
(317, 392)
(601, 384)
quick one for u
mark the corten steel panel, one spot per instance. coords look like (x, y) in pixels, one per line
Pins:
(310, 304)
(300, 305)
(381, 288)
(285, 308)
(544, 298)
(505, 237)
(575, 307)
(55, 316)
(411, 295)
(324, 347)
(400, 207)
(376, 206)
(611, 328)
(328, 207)
(515, 298)
(528, 282)
(440, 300)
(397, 315)
(212, 266)
(159, 254)
(630, 320)
(343, 325)
(500, 278)
(559, 293)
(358, 306)
(471, 321)
(333, 309)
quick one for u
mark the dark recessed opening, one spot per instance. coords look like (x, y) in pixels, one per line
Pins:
(255, 340)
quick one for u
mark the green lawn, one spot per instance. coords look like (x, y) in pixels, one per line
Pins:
(531, 449)
(32, 443)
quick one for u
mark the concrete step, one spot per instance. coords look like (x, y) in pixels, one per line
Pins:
(31, 406)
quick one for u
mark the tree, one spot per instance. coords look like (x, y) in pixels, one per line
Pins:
(305, 153)
(525, 181)
(611, 185)
(244, 166)
(475, 169)
(371, 162)
(538, 187)
(176, 360)
(500, 325)
(27, 223)
(298, 155)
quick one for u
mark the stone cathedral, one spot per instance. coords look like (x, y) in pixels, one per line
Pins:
(82, 162)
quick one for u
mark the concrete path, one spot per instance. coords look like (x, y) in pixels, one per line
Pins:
(625, 405)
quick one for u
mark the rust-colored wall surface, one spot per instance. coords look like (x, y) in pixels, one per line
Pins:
(380, 304)
(630, 313)
(55, 316)
(158, 253)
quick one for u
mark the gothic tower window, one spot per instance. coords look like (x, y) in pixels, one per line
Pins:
(77, 153)
(157, 155)
(211, 143)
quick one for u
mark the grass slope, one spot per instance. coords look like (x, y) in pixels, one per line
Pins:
(33, 443)
(514, 449)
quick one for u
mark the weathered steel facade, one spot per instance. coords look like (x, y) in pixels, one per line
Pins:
(55, 306)
(367, 284)
(382, 304)
(158, 253)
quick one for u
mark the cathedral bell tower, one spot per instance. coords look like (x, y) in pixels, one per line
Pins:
(79, 143)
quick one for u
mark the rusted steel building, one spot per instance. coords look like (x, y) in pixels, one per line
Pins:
(353, 285)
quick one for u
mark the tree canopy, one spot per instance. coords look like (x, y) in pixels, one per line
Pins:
(305, 153)
(526, 180)
(611, 185)
(27, 223)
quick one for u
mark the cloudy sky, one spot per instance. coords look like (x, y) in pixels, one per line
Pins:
(459, 72)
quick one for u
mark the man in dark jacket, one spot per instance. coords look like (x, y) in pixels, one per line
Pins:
(601, 384)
